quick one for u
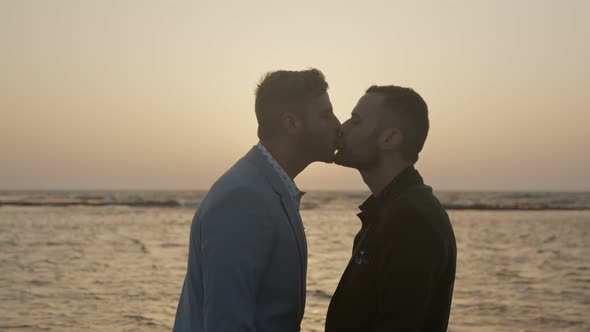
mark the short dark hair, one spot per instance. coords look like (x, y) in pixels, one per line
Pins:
(284, 89)
(410, 112)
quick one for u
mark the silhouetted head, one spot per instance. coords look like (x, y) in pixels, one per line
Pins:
(294, 107)
(387, 122)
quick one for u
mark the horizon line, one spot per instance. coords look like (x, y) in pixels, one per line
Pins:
(308, 190)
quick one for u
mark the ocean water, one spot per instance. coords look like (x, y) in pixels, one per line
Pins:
(115, 261)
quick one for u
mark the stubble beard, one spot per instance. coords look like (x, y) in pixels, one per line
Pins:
(314, 151)
(347, 160)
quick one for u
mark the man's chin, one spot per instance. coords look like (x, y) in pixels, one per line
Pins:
(328, 159)
(341, 161)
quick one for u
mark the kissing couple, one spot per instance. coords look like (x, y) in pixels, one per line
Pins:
(247, 262)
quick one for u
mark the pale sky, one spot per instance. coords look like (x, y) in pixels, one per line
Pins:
(160, 94)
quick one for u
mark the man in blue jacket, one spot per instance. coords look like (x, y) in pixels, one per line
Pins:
(247, 261)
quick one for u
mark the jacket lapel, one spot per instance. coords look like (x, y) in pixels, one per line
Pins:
(256, 157)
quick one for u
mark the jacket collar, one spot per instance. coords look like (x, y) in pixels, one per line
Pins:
(292, 189)
(409, 177)
(256, 157)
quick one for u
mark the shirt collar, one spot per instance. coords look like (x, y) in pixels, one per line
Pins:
(294, 192)
(408, 177)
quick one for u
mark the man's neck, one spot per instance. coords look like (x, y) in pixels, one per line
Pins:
(286, 157)
(379, 177)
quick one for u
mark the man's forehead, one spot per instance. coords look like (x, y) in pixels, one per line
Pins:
(322, 100)
(369, 103)
(320, 103)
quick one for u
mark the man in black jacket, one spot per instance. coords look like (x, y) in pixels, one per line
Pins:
(402, 270)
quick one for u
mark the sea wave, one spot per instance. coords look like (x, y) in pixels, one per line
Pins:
(67, 204)
(511, 207)
(306, 206)
(524, 201)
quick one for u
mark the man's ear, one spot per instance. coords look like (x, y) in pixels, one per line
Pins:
(290, 122)
(391, 139)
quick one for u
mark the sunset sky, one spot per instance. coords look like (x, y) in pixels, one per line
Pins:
(160, 94)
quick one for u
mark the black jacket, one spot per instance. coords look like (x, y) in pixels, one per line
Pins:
(402, 270)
